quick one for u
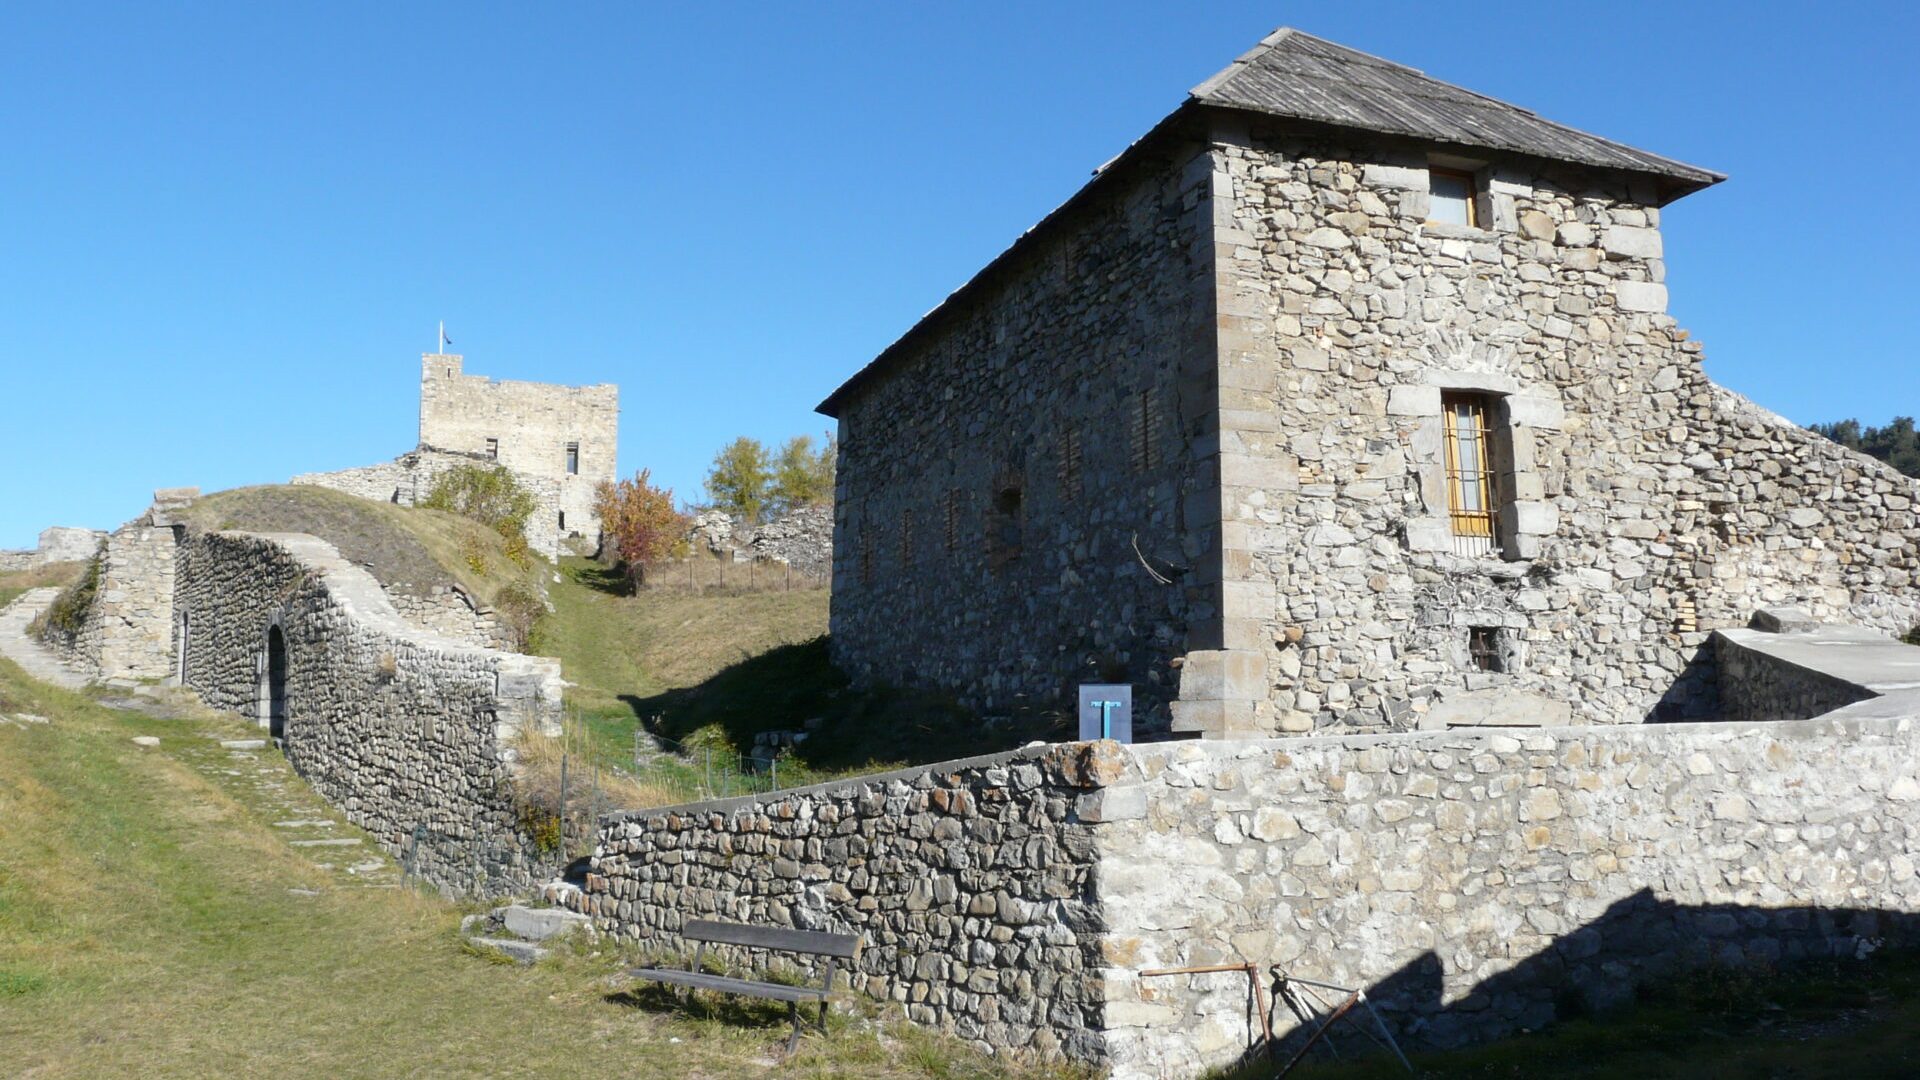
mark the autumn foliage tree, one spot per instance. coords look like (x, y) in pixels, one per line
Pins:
(639, 521)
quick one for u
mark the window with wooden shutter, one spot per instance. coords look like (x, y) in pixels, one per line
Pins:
(1473, 497)
(1145, 423)
(1070, 465)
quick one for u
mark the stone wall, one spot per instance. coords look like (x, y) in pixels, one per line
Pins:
(1289, 291)
(408, 480)
(1024, 499)
(1471, 880)
(531, 425)
(968, 883)
(450, 612)
(1643, 505)
(58, 544)
(404, 731)
(1474, 882)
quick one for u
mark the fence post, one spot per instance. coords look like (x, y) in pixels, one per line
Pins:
(709, 772)
(563, 802)
(775, 783)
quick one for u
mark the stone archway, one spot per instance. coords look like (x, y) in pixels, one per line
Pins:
(273, 684)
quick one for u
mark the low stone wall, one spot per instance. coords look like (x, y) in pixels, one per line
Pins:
(1473, 881)
(969, 883)
(407, 732)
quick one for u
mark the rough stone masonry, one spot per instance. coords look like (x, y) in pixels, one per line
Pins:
(1192, 432)
(1474, 882)
(409, 731)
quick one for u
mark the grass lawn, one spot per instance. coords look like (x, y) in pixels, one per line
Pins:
(710, 670)
(147, 928)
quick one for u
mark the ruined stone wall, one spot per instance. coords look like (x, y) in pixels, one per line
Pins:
(532, 424)
(450, 612)
(1643, 506)
(408, 480)
(401, 729)
(58, 544)
(1012, 496)
(1472, 881)
(968, 883)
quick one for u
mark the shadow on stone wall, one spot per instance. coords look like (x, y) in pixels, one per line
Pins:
(1601, 967)
(1695, 693)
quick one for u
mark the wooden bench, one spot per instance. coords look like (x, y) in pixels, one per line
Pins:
(834, 947)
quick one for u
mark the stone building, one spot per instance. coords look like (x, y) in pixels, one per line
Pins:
(560, 442)
(1344, 398)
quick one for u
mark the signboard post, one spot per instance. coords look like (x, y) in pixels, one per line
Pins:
(1106, 711)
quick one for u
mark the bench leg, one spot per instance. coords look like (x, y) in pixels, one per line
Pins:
(823, 1016)
(793, 1014)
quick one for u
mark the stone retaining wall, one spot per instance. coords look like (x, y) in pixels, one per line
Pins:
(405, 731)
(1473, 881)
(969, 883)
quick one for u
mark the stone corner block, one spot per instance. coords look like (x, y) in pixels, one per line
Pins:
(1216, 719)
(1223, 675)
(1429, 534)
(1398, 177)
(1640, 296)
(1127, 803)
(1412, 400)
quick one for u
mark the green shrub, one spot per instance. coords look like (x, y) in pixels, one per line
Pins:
(490, 496)
(67, 615)
(1913, 636)
(519, 605)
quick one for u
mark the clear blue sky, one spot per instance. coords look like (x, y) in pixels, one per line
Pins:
(227, 231)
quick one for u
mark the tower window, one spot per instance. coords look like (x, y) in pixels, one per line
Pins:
(573, 459)
(1451, 198)
(563, 521)
(1472, 482)
(493, 449)
(1483, 649)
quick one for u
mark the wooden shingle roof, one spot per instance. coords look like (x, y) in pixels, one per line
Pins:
(1294, 74)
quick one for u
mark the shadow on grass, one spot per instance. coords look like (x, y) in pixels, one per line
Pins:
(728, 1009)
(783, 688)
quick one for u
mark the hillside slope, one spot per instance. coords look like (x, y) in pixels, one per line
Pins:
(157, 920)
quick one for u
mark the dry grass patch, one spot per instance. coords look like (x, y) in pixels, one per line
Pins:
(147, 928)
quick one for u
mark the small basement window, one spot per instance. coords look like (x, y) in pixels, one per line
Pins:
(1451, 198)
(493, 449)
(1483, 649)
(573, 459)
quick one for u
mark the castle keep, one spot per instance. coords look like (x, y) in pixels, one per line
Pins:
(560, 442)
(1343, 399)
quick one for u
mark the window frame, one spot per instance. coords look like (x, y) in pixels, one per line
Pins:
(1466, 177)
(1473, 488)
(573, 459)
(492, 449)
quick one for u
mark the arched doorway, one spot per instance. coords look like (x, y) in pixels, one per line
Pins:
(273, 685)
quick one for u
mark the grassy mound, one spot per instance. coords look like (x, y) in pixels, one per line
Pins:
(404, 548)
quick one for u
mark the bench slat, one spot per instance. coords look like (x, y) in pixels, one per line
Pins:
(700, 980)
(812, 942)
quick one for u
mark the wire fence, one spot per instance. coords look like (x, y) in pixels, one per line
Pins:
(698, 772)
(701, 572)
